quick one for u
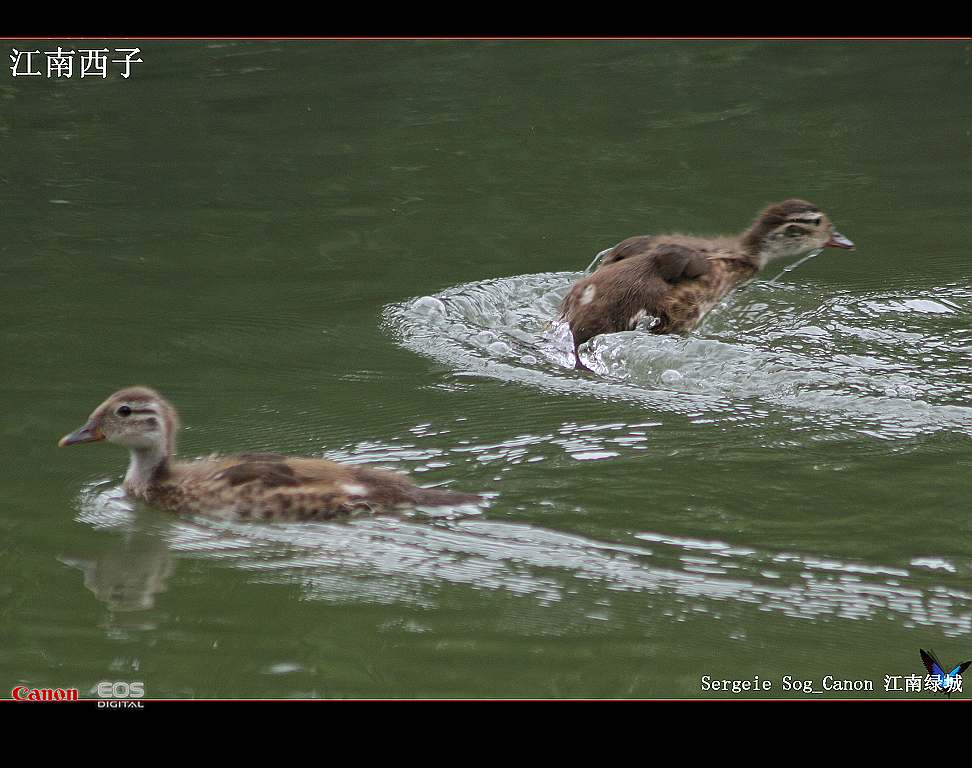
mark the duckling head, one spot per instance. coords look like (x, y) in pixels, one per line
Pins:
(790, 229)
(137, 418)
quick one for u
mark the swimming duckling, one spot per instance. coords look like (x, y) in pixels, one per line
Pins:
(677, 279)
(257, 486)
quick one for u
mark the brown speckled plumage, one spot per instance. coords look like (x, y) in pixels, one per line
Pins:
(247, 486)
(286, 488)
(677, 279)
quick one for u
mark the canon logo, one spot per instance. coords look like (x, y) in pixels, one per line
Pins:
(23, 693)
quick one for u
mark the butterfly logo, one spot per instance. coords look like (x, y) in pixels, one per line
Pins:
(945, 682)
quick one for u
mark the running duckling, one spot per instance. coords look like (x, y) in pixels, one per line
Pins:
(248, 486)
(677, 279)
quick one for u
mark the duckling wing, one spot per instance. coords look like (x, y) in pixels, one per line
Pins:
(270, 474)
(675, 257)
(339, 485)
(626, 248)
(675, 263)
(274, 470)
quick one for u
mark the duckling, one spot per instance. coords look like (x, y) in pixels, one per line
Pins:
(247, 486)
(677, 279)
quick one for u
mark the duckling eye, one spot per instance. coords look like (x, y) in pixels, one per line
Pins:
(793, 231)
(124, 411)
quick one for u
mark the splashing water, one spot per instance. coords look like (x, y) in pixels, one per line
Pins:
(790, 267)
(887, 365)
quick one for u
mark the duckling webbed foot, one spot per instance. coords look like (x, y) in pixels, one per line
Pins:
(579, 364)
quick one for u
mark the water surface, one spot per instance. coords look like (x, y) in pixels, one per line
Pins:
(356, 250)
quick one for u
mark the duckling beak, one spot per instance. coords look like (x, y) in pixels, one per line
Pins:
(89, 433)
(837, 240)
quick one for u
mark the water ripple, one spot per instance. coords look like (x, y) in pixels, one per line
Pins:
(404, 560)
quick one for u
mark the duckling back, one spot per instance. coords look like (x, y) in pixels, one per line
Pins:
(274, 487)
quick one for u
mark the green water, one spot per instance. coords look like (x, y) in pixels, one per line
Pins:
(247, 226)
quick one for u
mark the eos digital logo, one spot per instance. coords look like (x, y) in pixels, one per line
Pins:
(120, 694)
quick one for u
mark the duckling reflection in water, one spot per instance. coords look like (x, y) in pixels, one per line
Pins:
(247, 486)
(129, 574)
(676, 279)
